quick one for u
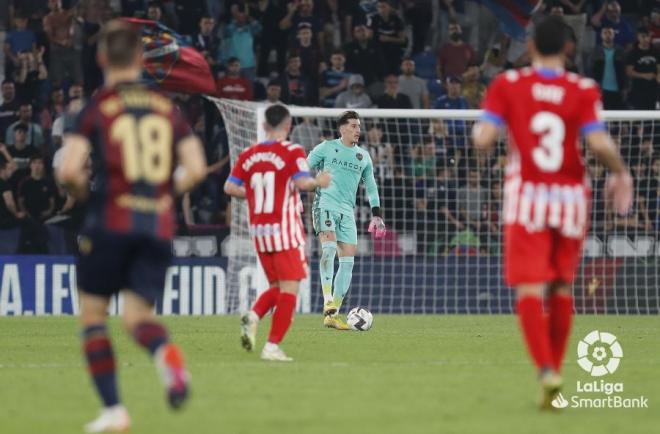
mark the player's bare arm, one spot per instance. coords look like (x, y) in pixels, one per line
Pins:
(234, 190)
(307, 183)
(484, 135)
(619, 184)
(71, 173)
(192, 164)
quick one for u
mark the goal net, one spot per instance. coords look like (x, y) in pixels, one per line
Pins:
(441, 201)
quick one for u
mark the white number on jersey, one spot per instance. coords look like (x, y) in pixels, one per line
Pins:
(263, 185)
(549, 155)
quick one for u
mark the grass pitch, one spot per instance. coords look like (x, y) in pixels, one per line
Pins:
(409, 374)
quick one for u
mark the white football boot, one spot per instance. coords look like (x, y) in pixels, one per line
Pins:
(112, 419)
(273, 353)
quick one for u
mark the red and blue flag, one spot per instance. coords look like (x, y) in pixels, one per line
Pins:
(172, 63)
(513, 15)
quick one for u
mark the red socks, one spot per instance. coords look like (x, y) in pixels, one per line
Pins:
(286, 305)
(561, 316)
(266, 301)
(535, 330)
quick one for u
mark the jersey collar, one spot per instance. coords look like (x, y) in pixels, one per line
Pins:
(549, 73)
(345, 145)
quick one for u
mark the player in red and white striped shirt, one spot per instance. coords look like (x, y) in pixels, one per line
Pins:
(269, 175)
(546, 190)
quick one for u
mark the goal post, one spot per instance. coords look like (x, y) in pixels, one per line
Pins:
(441, 202)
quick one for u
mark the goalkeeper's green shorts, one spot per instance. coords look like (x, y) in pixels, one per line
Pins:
(343, 225)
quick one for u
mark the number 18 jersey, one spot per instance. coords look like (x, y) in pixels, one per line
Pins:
(268, 170)
(133, 131)
(545, 112)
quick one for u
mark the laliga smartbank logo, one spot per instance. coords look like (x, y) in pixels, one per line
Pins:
(599, 354)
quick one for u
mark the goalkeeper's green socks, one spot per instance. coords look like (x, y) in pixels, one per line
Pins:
(343, 279)
(327, 268)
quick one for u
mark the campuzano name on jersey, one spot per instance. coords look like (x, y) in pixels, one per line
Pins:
(268, 171)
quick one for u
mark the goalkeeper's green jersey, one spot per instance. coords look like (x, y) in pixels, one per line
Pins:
(348, 166)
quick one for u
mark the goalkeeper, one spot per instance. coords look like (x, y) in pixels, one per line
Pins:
(333, 211)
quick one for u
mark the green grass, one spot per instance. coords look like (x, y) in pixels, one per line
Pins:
(409, 374)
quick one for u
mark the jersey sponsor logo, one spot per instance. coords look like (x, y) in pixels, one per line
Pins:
(145, 204)
(548, 93)
(266, 230)
(268, 157)
(346, 164)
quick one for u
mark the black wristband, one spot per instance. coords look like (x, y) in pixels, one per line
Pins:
(375, 211)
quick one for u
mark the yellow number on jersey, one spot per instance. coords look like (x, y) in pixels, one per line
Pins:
(146, 147)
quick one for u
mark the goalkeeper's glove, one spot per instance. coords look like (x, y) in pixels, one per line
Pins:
(377, 227)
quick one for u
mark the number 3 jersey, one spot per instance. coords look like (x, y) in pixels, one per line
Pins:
(546, 185)
(268, 170)
(133, 132)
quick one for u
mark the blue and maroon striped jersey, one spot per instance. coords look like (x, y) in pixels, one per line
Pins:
(133, 131)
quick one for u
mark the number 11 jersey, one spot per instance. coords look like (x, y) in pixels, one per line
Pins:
(268, 170)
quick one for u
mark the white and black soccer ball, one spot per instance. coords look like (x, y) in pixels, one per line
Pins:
(360, 319)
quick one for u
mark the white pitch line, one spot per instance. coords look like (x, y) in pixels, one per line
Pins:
(301, 363)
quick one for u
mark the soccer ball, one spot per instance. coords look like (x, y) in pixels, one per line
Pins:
(360, 319)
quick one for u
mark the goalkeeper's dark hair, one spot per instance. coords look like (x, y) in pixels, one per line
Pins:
(347, 116)
(551, 35)
(276, 114)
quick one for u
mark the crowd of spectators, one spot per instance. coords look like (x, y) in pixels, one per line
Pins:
(331, 53)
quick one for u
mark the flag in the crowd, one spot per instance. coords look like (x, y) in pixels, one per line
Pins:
(513, 15)
(172, 63)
